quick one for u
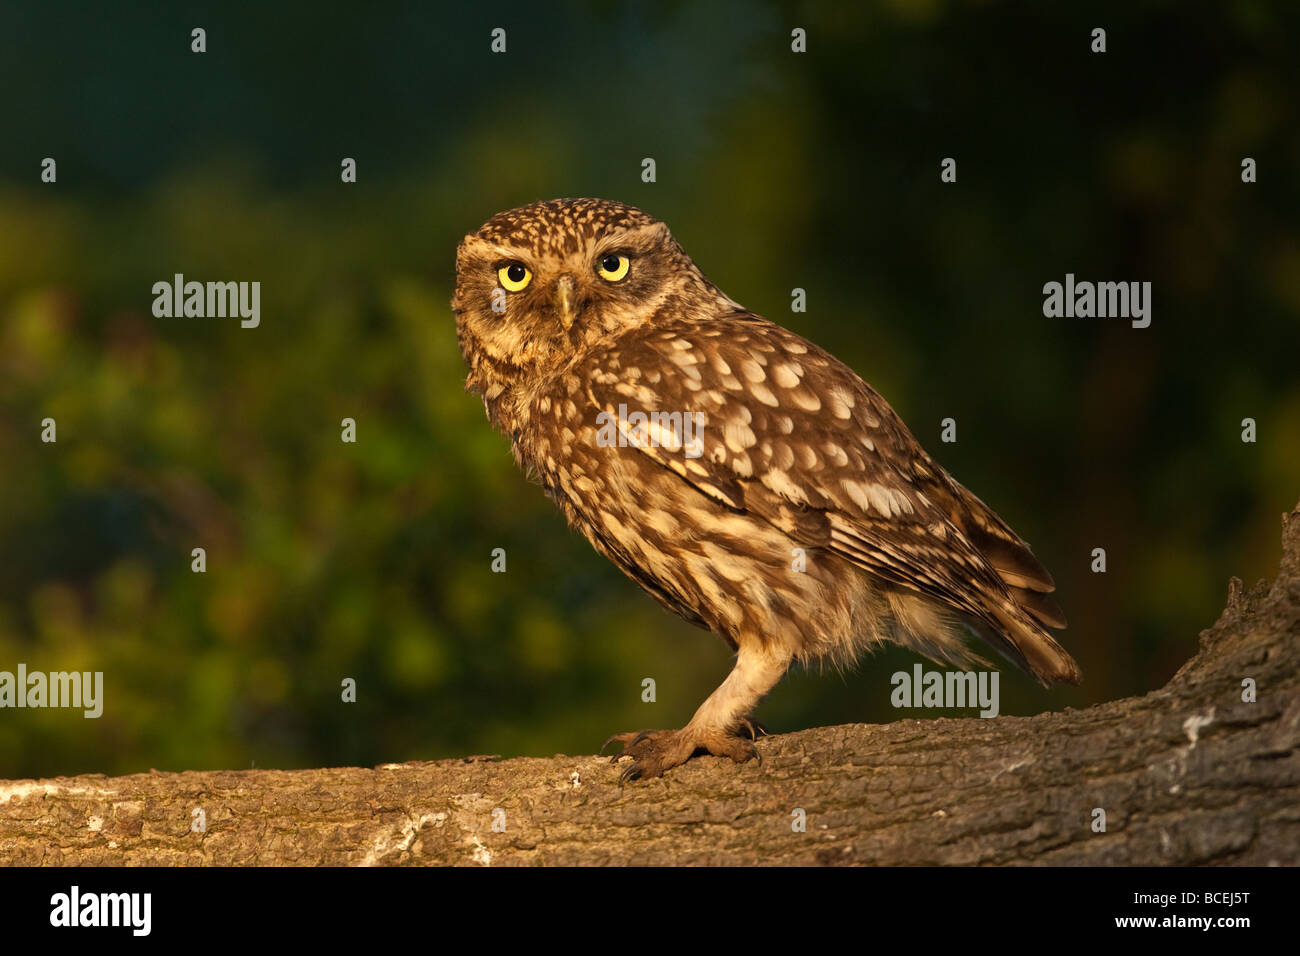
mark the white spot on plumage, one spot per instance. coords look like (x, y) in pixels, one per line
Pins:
(785, 375)
(835, 454)
(725, 563)
(664, 437)
(782, 484)
(738, 436)
(806, 399)
(640, 393)
(686, 361)
(857, 492)
(621, 532)
(663, 521)
(882, 499)
(764, 394)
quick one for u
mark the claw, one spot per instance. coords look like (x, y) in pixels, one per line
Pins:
(653, 752)
(629, 740)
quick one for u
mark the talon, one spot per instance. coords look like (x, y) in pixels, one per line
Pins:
(653, 752)
(629, 740)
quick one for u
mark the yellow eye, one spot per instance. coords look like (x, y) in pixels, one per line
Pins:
(613, 267)
(514, 276)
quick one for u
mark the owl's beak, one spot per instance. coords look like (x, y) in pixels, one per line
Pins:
(564, 300)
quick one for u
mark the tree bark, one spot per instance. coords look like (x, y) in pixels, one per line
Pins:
(1188, 774)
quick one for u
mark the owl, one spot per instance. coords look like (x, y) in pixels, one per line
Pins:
(747, 479)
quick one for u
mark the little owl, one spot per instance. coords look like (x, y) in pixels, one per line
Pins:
(747, 479)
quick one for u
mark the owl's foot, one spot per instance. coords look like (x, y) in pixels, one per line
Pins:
(654, 751)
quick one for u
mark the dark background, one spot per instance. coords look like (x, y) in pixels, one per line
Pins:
(775, 170)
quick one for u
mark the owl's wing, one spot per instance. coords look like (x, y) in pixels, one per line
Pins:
(792, 435)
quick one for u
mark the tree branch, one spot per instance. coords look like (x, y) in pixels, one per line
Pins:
(1188, 774)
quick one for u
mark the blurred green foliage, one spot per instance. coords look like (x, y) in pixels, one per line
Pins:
(372, 561)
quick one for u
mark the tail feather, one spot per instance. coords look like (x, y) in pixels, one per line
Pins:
(1005, 550)
(1031, 646)
(1014, 622)
(1019, 629)
(1039, 606)
(933, 629)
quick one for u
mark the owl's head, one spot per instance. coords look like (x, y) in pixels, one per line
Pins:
(538, 284)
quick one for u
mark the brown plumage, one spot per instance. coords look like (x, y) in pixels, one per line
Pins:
(800, 521)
